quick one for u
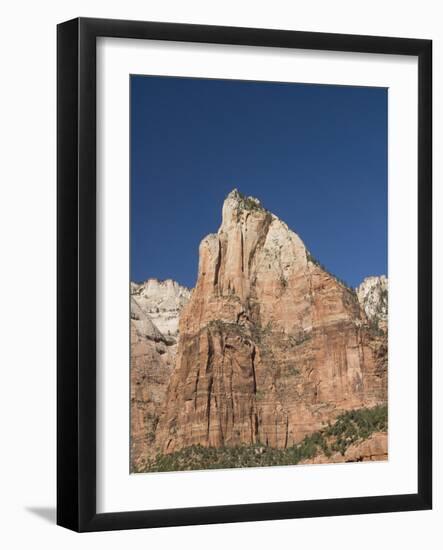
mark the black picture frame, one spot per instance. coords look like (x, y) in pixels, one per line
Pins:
(76, 280)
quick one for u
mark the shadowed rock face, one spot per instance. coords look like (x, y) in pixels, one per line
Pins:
(271, 345)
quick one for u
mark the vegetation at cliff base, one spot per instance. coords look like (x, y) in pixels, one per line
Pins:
(349, 428)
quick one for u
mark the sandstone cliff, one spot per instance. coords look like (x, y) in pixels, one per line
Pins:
(155, 310)
(271, 345)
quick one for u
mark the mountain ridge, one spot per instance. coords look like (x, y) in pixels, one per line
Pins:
(265, 349)
(271, 345)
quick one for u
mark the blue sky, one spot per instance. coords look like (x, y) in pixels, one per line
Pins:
(316, 156)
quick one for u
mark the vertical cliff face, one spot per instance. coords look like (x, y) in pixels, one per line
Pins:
(271, 345)
(155, 310)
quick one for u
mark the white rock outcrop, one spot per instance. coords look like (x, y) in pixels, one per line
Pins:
(372, 294)
(160, 302)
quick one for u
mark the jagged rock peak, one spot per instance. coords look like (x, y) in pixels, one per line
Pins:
(251, 247)
(373, 280)
(158, 286)
(243, 201)
(237, 207)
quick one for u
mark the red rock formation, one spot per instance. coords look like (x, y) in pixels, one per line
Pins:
(271, 345)
(375, 448)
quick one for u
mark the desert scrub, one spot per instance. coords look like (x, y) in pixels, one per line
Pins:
(293, 371)
(259, 395)
(374, 328)
(353, 426)
(296, 340)
(248, 203)
(349, 428)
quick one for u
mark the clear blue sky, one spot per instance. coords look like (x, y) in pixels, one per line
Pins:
(316, 156)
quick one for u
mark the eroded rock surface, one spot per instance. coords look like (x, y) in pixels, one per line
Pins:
(162, 302)
(271, 345)
(372, 294)
(155, 310)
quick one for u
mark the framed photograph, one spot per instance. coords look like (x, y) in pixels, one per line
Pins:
(244, 274)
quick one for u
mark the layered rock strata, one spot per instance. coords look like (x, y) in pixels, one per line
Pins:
(271, 345)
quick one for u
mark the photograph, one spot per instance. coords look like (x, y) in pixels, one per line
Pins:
(259, 274)
(225, 220)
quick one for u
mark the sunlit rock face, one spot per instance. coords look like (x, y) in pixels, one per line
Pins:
(162, 302)
(271, 345)
(155, 311)
(372, 294)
